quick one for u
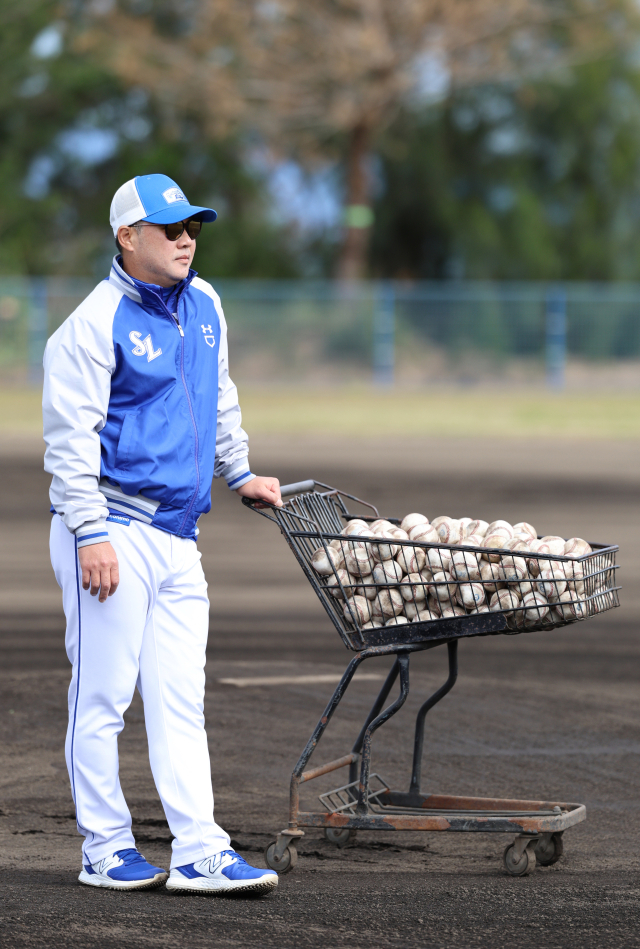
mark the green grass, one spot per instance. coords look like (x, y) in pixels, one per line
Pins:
(367, 413)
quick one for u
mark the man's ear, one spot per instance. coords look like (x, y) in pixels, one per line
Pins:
(124, 237)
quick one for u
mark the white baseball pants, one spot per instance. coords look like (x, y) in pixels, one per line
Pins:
(151, 633)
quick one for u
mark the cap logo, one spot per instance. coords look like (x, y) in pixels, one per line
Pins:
(171, 195)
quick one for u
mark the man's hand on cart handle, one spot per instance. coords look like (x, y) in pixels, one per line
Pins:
(262, 489)
(99, 565)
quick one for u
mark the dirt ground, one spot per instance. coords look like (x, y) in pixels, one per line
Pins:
(546, 715)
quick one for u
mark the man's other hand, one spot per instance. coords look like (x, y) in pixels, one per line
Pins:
(262, 489)
(99, 565)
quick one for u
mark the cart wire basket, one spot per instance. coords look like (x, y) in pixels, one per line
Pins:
(389, 596)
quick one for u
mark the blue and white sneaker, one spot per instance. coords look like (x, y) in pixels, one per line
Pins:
(226, 872)
(123, 870)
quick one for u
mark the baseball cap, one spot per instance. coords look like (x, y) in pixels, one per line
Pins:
(153, 198)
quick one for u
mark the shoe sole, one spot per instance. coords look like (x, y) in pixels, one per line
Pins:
(158, 880)
(260, 886)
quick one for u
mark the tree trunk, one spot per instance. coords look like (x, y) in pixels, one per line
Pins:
(352, 264)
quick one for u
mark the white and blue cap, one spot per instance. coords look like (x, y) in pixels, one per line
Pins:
(153, 198)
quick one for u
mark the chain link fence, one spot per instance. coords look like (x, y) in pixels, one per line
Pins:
(388, 333)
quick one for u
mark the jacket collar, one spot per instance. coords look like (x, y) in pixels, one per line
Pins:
(138, 291)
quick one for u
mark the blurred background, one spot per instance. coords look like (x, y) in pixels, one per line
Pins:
(413, 198)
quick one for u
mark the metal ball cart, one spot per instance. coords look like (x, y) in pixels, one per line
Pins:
(314, 516)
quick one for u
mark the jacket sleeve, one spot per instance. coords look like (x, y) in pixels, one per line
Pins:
(232, 442)
(78, 364)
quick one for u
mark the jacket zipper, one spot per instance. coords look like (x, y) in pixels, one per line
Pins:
(175, 319)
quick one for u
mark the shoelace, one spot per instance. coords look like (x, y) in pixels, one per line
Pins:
(238, 858)
(130, 856)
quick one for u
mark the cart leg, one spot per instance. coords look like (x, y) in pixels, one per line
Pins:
(365, 766)
(294, 791)
(452, 648)
(375, 711)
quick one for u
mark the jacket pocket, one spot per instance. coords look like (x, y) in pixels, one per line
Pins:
(125, 441)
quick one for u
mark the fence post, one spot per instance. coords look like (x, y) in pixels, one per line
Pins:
(384, 327)
(556, 337)
(38, 325)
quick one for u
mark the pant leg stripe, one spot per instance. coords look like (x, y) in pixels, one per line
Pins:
(75, 710)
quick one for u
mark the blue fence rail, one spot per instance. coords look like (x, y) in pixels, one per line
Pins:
(293, 330)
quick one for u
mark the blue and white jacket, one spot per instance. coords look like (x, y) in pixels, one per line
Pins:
(139, 410)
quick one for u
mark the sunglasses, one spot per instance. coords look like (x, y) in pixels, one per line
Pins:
(176, 230)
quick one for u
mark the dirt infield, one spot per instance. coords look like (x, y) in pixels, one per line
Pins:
(553, 715)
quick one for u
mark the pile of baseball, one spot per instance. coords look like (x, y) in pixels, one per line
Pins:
(383, 582)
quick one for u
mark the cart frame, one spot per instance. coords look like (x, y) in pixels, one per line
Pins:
(538, 825)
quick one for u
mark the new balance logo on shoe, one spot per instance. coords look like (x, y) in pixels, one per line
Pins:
(144, 347)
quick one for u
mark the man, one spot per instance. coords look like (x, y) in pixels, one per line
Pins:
(139, 415)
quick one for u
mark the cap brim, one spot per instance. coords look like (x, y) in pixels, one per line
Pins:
(180, 212)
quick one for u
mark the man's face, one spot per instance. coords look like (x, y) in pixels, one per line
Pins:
(148, 254)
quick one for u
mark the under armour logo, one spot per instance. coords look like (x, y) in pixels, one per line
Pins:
(208, 335)
(144, 347)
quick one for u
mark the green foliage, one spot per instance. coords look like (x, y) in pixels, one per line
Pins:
(534, 181)
(71, 134)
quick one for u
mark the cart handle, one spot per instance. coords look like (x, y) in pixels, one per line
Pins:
(299, 487)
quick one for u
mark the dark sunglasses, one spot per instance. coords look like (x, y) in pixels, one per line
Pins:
(176, 230)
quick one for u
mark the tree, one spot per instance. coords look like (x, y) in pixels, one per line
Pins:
(530, 180)
(328, 77)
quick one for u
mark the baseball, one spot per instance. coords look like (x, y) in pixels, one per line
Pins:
(551, 582)
(451, 609)
(555, 544)
(576, 547)
(496, 526)
(367, 590)
(411, 559)
(464, 566)
(424, 534)
(384, 551)
(464, 525)
(411, 610)
(425, 616)
(448, 530)
(495, 539)
(439, 558)
(381, 524)
(515, 568)
(523, 528)
(354, 527)
(324, 560)
(483, 608)
(574, 574)
(413, 588)
(569, 607)
(472, 540)
(504, 600)
(333, 585)
(412, 520)
(537, 607)
(492, 576)
(357, 610)
(388, 603)
(516, 543)
(387, 572)
(434, 606)
(397, 621)
(478, 528)
(358, 562)
(535, 566)
(398, 533)
(442, 587)
(470, 595)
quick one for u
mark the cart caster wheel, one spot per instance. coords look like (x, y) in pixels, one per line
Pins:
(519, 866)
(286, 862)
(549, 850)
(339, 836)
